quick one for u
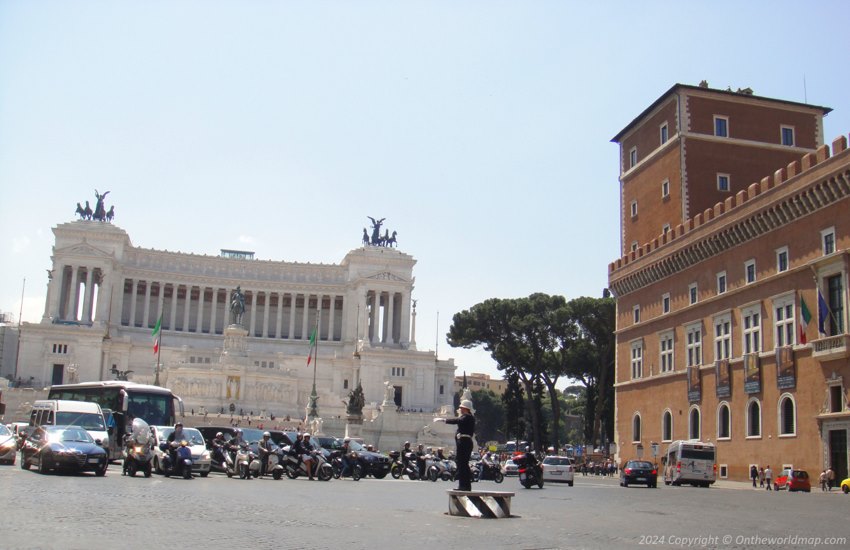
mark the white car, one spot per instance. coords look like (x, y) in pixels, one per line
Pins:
(558, 468)
(509, 468)
(8, 445)
(200, 454)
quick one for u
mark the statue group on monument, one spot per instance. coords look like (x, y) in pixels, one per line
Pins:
(377, 239)
(356, 401)
(100, 212)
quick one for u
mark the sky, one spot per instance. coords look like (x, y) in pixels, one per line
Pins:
(479, 129)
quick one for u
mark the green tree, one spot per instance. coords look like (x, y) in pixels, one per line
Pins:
(489, 416)
(514, 407)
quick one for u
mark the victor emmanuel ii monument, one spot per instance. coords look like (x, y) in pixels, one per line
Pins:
(235, 331)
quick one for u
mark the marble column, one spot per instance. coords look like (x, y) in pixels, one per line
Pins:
(267, 304)
(331, 318)
(172, 319)
(277, 328)
(160, 300)
(147, 310)
(73, 296)
(199, 321)
(305, 319)
(390, 317)
(253, 313)
(186, 305)
(214, 311)
(133, 301)
(292, 302)
(88, 296)
(374, 335)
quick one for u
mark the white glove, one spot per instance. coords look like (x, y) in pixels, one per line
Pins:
(439, 420)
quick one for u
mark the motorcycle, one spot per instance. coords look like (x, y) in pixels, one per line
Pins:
(181, 465)
(444, 469)
(137, 450)
(218, 459)
(273, 466)
(355, 469)
(406, 467)
(487, 471)
(295, 467)
(238, 463)
(529, 474)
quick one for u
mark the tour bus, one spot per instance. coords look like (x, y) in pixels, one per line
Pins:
(692, 462)
(122, 402)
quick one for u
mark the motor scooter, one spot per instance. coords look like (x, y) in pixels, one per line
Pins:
(137, 450)
(529, 470)
(485, 470)
(442, 468)
(355, 469)
(295, 466)
(406, 467)
(273, 466)
(238, 464)
(182, 464)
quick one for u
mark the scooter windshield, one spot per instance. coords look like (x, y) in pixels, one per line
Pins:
(141, 431)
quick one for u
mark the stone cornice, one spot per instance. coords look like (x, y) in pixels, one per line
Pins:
(766, 206)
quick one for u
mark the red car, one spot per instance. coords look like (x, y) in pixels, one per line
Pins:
(793, 480)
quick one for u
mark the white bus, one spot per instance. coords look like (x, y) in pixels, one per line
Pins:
(692, 462)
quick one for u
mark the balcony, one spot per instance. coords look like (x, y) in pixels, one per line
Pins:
(831, 347)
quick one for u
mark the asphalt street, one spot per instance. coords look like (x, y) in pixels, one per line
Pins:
(83, 511)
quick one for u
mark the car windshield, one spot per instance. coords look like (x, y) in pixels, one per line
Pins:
(355, 446)
(556, 461)
(63, 435)
(4, 430)
(252, 435)
(636, 464)
(330, 443)
(88, 421)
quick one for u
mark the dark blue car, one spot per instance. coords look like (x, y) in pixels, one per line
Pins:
(69, 448)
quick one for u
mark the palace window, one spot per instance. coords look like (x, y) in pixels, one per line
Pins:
(632, 157)
(634, 246)
(835, 305)
(665, 341)
(787, 415)
(60, 349)
(754, 418)
(721, 282)
(665, 229)
(692, 293)
(397, 371)
(694, 421)
(636, 428)
(665, 189)
(750, 271)
(782, 259)
(787, 135)
(667, 426)
(723, 337)
(836, 395)
(721, 126)
(663, 131)
(724, 424)
(665, 303)
(752, 329)
(693, 344)
(723, 182)
(636, 314)
(633, 208)
(827, 237)
(637, 360)
(783, 321)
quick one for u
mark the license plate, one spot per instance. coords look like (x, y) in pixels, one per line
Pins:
(93, 460)
(555, 472)
(640, 479)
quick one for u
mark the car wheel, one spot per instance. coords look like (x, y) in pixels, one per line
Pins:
(570, 483)
(205, 474)
(26, 465)
(100, 472)
(380, 475)
(44, 464)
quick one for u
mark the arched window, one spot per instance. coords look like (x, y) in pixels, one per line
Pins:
(667, 426)
(724, 424)
(787, 415)
(754, 418)
(636, 428)
(694, 428)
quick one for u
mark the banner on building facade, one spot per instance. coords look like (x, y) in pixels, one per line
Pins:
(786, 370)
(694, 385)
(752, 373)
(723, 377)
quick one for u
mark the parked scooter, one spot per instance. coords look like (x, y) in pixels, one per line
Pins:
(137, 450)
(182, 465)
(406, 467)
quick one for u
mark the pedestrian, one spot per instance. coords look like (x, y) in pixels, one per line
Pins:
(761, 477)
(830, 477)
(754, 474)
(768, 478)
(822, 480)
(465, 422)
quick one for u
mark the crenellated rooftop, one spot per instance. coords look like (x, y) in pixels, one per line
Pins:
(823, 178)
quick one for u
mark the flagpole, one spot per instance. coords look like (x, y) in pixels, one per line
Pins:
(313, 411)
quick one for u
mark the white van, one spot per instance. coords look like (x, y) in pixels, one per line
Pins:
(60, 412)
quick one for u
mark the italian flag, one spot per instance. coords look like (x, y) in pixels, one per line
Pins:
(805, 317)
(312, 347)
(155, 334)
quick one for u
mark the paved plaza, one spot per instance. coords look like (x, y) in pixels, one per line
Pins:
(67, 511)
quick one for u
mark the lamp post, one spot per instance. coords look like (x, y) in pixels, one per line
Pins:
(313, 407)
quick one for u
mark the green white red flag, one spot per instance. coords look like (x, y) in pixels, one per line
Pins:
(805, 317)
(312, 347)
(156, 334)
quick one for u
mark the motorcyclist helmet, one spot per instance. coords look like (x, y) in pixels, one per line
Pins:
(267, 434)
(219, 434)
(528, 448)
(306, 436)
(179, 424)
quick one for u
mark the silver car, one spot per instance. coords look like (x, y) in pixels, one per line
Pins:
(200, 454)
(8, 445)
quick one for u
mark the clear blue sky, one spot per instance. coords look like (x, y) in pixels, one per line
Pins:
(479, 129)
